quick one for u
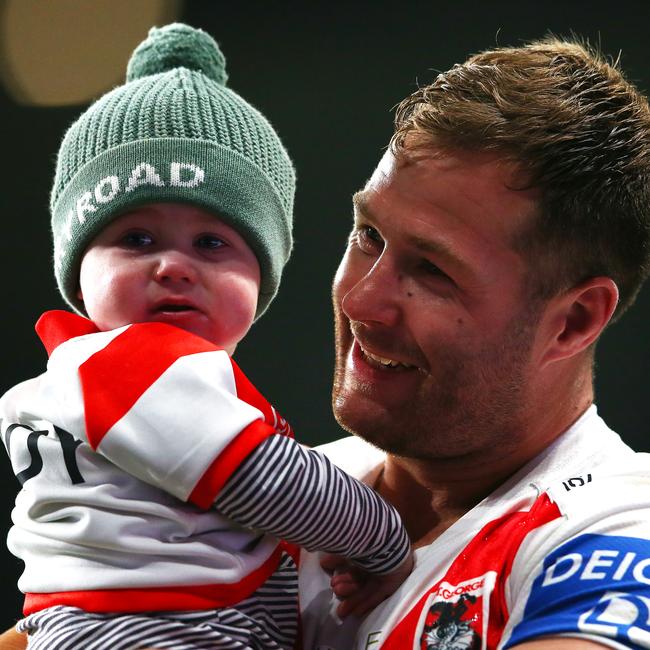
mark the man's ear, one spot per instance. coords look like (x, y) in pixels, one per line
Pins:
(577, 317)
(80, 295)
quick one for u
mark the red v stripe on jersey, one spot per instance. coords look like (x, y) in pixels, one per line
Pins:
(493, 548)
(113, 379)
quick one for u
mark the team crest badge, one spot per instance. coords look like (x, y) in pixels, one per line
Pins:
(453, 616)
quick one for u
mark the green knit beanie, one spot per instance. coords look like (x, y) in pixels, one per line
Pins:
(173, 133)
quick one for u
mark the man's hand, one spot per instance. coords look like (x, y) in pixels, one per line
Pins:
(358, 590)
(12, 640)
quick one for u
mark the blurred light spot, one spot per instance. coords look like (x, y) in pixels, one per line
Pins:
(71, 51)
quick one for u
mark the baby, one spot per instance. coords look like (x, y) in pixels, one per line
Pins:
(162, 496)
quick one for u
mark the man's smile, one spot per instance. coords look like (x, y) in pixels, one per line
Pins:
(382, 362)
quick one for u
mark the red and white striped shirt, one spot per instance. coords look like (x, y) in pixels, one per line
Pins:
(156, 477)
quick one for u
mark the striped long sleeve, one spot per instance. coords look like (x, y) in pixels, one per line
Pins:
(297, 494)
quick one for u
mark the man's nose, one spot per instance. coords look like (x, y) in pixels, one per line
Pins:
(375, 297)
(174, 266)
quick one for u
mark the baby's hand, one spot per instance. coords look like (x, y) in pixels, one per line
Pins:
(358, 590)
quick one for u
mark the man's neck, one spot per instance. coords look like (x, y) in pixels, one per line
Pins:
(432, 495)
(428, 507)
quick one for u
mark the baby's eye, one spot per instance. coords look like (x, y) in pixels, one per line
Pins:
(137, 239)
(210, 242)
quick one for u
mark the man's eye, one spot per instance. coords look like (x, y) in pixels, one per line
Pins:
(368, 239)
(430, 268)
(137, 239)
(210, 242)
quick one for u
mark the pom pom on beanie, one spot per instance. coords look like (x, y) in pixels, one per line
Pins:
(174, 46)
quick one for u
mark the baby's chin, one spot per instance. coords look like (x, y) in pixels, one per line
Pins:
(193, 322)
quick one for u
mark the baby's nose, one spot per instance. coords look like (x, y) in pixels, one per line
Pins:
(174, 266)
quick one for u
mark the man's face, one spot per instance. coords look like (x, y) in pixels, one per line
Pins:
(172, 263)
(433, 328)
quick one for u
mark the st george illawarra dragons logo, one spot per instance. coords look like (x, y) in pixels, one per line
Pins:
(447, 626)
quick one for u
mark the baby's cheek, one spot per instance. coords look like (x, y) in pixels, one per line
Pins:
(111, 300)
(237, 312)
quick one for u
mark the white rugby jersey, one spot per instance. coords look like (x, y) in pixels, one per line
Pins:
(123, 445)
(561, 549)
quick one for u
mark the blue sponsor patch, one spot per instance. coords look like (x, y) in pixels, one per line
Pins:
(594, 584)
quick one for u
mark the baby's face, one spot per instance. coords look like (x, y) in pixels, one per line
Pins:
(176, 264)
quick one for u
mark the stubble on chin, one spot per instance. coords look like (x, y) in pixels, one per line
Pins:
(470, 404)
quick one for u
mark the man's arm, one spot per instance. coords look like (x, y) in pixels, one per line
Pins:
(12, 640)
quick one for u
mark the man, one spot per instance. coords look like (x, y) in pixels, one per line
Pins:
(505, 227)
(500, 234)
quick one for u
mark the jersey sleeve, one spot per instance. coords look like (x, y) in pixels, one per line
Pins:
(587, 575)
(297, 494)
(160, 403)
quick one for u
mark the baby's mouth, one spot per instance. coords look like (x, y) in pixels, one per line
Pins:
(174, 308)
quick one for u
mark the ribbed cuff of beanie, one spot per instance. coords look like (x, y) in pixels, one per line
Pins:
(202, 173)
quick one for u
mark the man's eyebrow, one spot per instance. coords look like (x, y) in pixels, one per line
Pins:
(437, 248)
(442, 252)
(360, 203)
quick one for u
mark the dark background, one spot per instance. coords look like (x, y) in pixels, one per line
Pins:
(327, 76)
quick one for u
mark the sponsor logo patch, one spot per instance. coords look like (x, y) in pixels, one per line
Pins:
(593, 584)
(619, 615)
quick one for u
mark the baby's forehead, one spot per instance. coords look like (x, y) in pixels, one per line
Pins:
(172, 215)
(169, 218)
(171, 209)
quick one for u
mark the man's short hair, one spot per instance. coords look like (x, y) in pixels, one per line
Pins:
(580, 133)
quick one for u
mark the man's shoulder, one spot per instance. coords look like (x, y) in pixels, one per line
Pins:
(587, 569)
(588, 450)
(620, 484)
